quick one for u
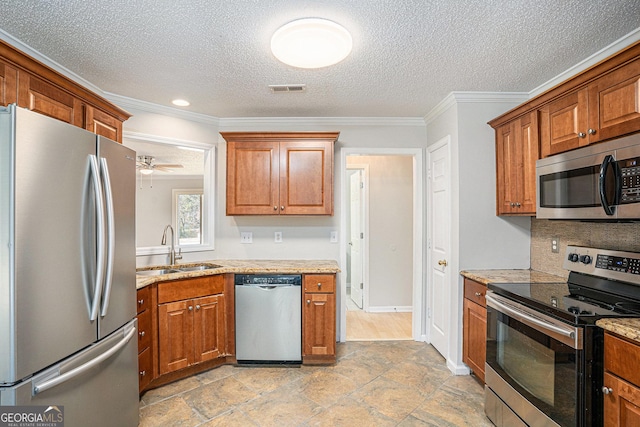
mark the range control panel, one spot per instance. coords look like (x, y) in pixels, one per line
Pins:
(617, 265)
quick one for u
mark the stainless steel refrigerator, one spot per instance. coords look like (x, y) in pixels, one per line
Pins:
(67, 271)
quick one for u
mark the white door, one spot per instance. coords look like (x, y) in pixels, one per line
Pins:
(439, 210)
(355, 239)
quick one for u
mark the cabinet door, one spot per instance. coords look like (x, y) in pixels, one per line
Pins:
(528, 141)
(614, 103)
(306, 177)
(103, 124)
(209, 328)
(621, 404)
(8, 84)
(319, 324)
(175, 335)
(44, 98)
(564, 123)
(508, 165)
(252, 178)
(474, 337)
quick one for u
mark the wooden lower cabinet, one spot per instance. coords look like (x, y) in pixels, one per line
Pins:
(145, 335)
(319, 319)
(474, 331)
(621, 381)
(190, 331)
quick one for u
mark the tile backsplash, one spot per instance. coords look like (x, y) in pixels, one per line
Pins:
(619, 236)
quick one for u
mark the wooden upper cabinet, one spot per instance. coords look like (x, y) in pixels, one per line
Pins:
(280, 173)
(517, 149)
(614, 103)
(8, 84)
(31, 84)
(606, 108)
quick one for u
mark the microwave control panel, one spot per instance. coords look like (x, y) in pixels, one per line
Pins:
(630, 174)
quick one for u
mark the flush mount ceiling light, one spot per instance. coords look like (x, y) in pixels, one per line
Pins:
(180, 102)
(311, 43)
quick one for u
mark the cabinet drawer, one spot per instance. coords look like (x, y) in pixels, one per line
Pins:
(320, 283)
(190, 288)
(622, 358)
(143, 298)
(475, 291)
(144, 330)
(145, 368)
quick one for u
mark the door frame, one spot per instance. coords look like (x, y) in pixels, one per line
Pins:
(365, 226)
(418, 327)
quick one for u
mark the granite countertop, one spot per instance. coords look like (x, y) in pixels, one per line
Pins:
(511, 276)
(241, 267)
(626, 327)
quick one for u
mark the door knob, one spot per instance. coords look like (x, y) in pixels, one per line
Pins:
(442, 262)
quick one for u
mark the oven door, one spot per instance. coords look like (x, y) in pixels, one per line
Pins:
(533, 364)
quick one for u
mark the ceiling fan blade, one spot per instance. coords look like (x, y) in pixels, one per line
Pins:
(168, 165)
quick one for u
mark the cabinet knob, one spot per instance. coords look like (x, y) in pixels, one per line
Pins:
(518, 204)
(478, 294)
(281, 208)
(141, 334)
(308, 301)
(198, 307)
(143, 373)
(591, 131)
(275, 208)
(140, 301)
(190, 308)
(319, 284)
(607, 390)
(513, 205)
(581, 135)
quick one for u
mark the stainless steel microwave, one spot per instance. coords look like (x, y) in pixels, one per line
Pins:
(597, 182)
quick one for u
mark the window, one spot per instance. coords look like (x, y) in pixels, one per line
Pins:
(187, 216)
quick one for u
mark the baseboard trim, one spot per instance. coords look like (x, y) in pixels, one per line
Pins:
(391, 309)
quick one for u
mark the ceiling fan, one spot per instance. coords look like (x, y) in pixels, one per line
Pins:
(146, 165)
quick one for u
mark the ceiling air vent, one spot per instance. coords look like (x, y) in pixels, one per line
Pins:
(287, 88)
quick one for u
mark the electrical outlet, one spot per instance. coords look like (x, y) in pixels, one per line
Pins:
(246, 237)
(277, 237)
(555, 245)
(334, 237)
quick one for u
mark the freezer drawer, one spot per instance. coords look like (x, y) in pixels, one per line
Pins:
(97, 387)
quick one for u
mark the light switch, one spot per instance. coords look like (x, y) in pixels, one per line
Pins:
(246, 237)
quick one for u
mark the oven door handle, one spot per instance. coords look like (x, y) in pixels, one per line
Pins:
(506, 308)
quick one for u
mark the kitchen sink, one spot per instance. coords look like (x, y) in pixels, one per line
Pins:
(199, 267)
(157, 272)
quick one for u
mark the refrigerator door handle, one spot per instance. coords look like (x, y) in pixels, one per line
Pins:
(108, 280)
(52, 382)
(100, 230)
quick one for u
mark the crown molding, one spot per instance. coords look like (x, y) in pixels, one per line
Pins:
(289, 122)
(592, 60)
(458, 97)
(149, 107)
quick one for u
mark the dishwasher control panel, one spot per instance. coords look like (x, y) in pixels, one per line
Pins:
(268, 279)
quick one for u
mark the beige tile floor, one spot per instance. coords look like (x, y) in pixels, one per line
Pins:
(386, 383)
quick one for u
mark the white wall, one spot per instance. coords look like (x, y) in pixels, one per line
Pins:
(390, 230)
(479, 239)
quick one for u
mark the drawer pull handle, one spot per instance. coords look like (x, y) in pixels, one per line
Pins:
(607, 390)
(478, 294)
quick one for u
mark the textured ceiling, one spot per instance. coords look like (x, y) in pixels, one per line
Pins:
(407, 56)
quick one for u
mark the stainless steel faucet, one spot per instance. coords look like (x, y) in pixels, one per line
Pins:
(172, 250)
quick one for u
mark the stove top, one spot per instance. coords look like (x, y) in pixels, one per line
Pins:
(602, 283)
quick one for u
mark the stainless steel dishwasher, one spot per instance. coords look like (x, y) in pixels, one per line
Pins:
(268, 318)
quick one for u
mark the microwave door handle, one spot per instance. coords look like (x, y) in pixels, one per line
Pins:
(608, 161)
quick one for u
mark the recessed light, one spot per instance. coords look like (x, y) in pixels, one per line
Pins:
(180, 102)
(311, 43)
